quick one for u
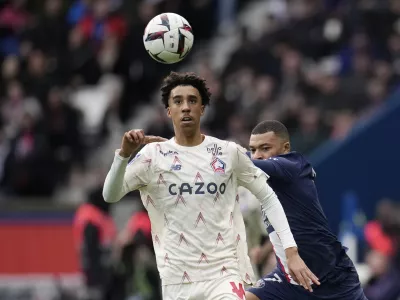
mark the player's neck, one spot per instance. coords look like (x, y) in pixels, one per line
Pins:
(188, 140)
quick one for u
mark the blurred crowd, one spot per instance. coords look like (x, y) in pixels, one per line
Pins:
(383, 256)
(69, 67)
(318, 66)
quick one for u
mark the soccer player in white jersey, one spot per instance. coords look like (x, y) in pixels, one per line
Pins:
(188, 185)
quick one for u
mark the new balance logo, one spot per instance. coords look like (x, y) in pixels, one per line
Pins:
(176, 165)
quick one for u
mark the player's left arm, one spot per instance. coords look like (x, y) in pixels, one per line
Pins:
(255, 181)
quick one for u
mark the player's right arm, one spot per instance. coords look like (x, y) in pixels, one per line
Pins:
(123, 178)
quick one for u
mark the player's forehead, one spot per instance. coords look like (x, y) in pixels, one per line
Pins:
(185, 91)
(268, 138)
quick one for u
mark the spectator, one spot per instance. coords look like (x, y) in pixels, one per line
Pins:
(100, 22)
(14, 19)
(63, 133)
(94, 237)
(51, 25)
(29, 167)
(381, 258)
(137, 258)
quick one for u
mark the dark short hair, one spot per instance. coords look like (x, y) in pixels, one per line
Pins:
(272, 126)
(175, 79)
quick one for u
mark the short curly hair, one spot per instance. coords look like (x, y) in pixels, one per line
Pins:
(175, 79)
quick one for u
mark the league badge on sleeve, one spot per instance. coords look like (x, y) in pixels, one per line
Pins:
(218, 166)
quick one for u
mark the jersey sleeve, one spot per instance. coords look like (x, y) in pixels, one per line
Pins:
(277, 167)
(124, 178)
(255, 180)
(243, 167)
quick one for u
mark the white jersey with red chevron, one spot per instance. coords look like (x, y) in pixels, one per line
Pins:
(190, 194)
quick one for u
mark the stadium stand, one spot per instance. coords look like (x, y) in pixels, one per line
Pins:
(317, 66)
(74, 76)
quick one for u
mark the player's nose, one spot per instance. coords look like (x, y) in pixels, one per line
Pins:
(185, 106)
(257, 155)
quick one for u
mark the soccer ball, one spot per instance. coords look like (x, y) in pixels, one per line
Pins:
(168, 38)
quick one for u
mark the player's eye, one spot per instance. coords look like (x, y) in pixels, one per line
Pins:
(252, 150)
(193, 101)
(266, 148)
(177, 101)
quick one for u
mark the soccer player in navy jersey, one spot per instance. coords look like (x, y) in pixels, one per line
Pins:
(292, 178)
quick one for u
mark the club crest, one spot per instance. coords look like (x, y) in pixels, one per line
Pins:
(218, 166)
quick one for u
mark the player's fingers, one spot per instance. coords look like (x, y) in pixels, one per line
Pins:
(128, 137)
(294, 277)
(149, 139)
(307, 280)
(160, 139)
(153, 139)
(301, 280)
(141, 136)
(134, 136)
(312, 276)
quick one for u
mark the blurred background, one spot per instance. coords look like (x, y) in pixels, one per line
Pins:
(75, 76)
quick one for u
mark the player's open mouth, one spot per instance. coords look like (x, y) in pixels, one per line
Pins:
(186, 119)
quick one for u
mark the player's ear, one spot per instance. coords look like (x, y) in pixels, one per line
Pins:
(286, 147)
(168, 112)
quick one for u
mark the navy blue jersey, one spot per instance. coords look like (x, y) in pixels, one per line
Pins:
(292, 179)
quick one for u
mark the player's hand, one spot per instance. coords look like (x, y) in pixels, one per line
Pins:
(299, 271)
(133, 139)
(148, 139)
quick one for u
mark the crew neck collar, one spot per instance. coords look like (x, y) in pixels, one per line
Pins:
(204, 142)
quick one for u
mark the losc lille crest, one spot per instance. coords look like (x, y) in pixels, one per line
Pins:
(218, 166)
